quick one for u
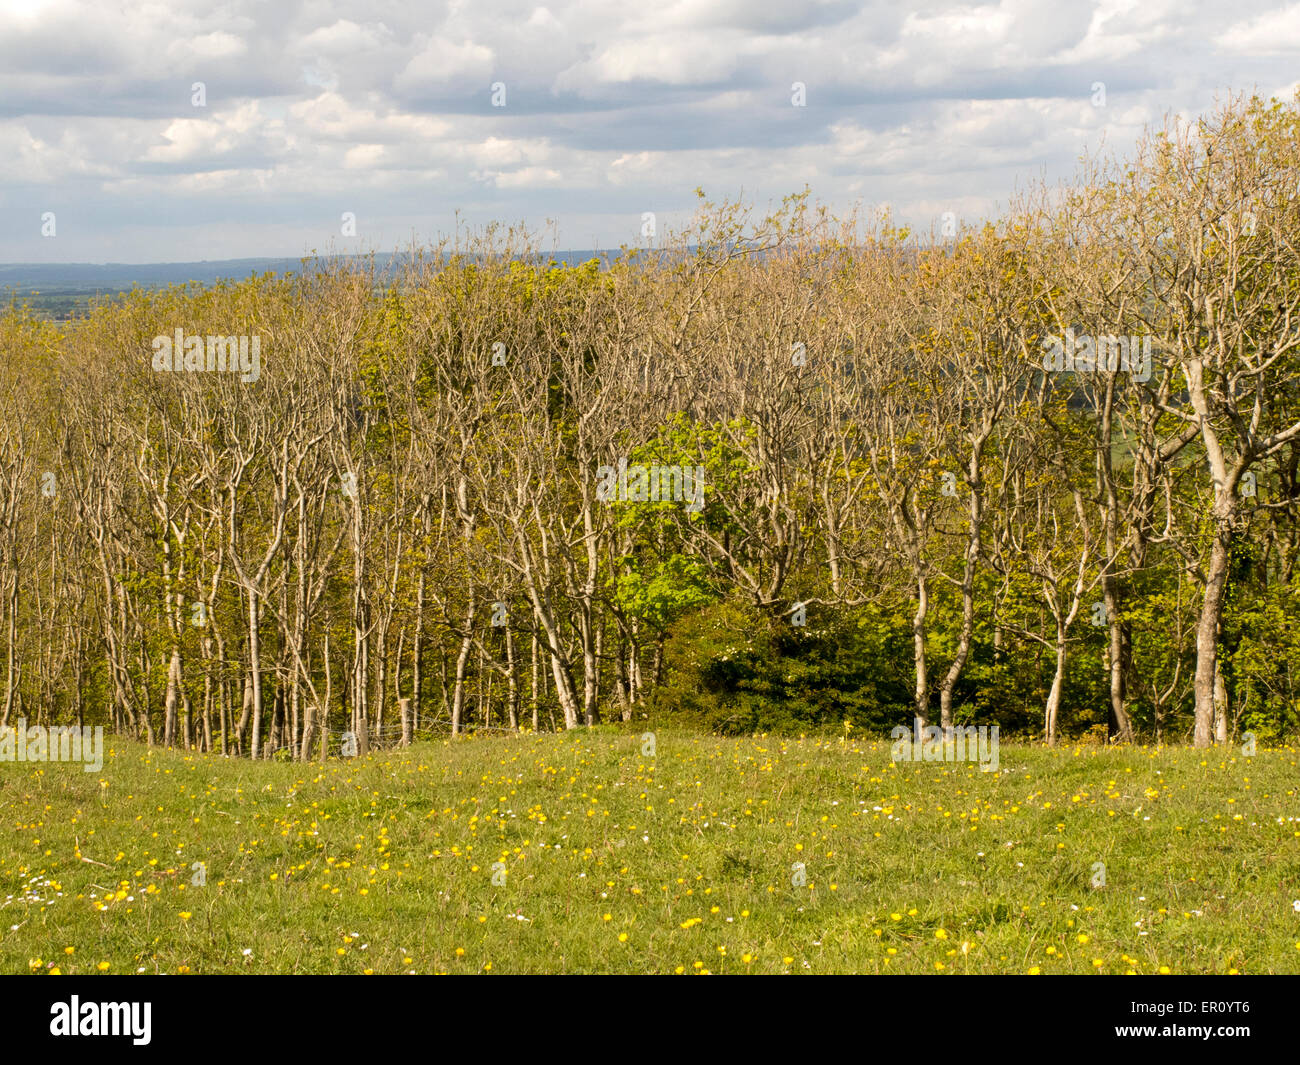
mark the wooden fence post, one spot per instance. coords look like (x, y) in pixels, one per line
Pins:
(405, 705)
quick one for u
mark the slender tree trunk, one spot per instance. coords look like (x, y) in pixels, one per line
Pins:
(623, 680)
(329, 691)
(223, 690)
(462, 662)
(1058, 682)
(1220, 707)
(591, 654)
(921, 694)
(976, 517)
(634, 664)
(1120, 725)
(172, 697)
(255, 667)
(187, 720)
(11, 653)
(1207, 629)
(417, 655)
(245, 712)
(208, 695)
(512, 681)
(535, 692)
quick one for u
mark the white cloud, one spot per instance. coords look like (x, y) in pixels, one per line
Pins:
(663, 58)
(441, 62)
(199, 139)
(344, 38)
(615, 107)
(529, 177)
(1271, 33)
(216, 45)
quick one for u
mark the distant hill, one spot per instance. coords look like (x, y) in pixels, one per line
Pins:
(65, 290)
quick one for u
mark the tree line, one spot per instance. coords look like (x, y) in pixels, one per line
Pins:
(1039, 472)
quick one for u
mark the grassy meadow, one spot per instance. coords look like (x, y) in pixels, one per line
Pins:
(578, 853)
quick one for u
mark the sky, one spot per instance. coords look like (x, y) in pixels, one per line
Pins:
(151, 132)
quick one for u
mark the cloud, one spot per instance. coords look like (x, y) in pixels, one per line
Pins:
(613, 107)
(1271, 33)
(204, 46)
(442, 62)
(528, 177)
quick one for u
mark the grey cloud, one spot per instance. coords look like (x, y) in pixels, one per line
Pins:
(319, 106)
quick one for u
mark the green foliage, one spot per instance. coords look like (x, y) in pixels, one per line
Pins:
(736, 669)
(674, 587)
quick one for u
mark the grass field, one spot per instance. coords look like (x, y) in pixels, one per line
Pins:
(577, 853)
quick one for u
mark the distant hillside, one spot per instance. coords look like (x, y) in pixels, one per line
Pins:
(65, 290)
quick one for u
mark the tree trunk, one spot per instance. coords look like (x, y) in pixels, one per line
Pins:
(536, 679)
(245, 713)
(417, 655)
(1220, 707)
(976, 517)
(921, 695)
(255, 667)
(1120, 726)
(1207, 627)
(172, 698)
(512, 681)
(462, 662)
(1058, 682)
